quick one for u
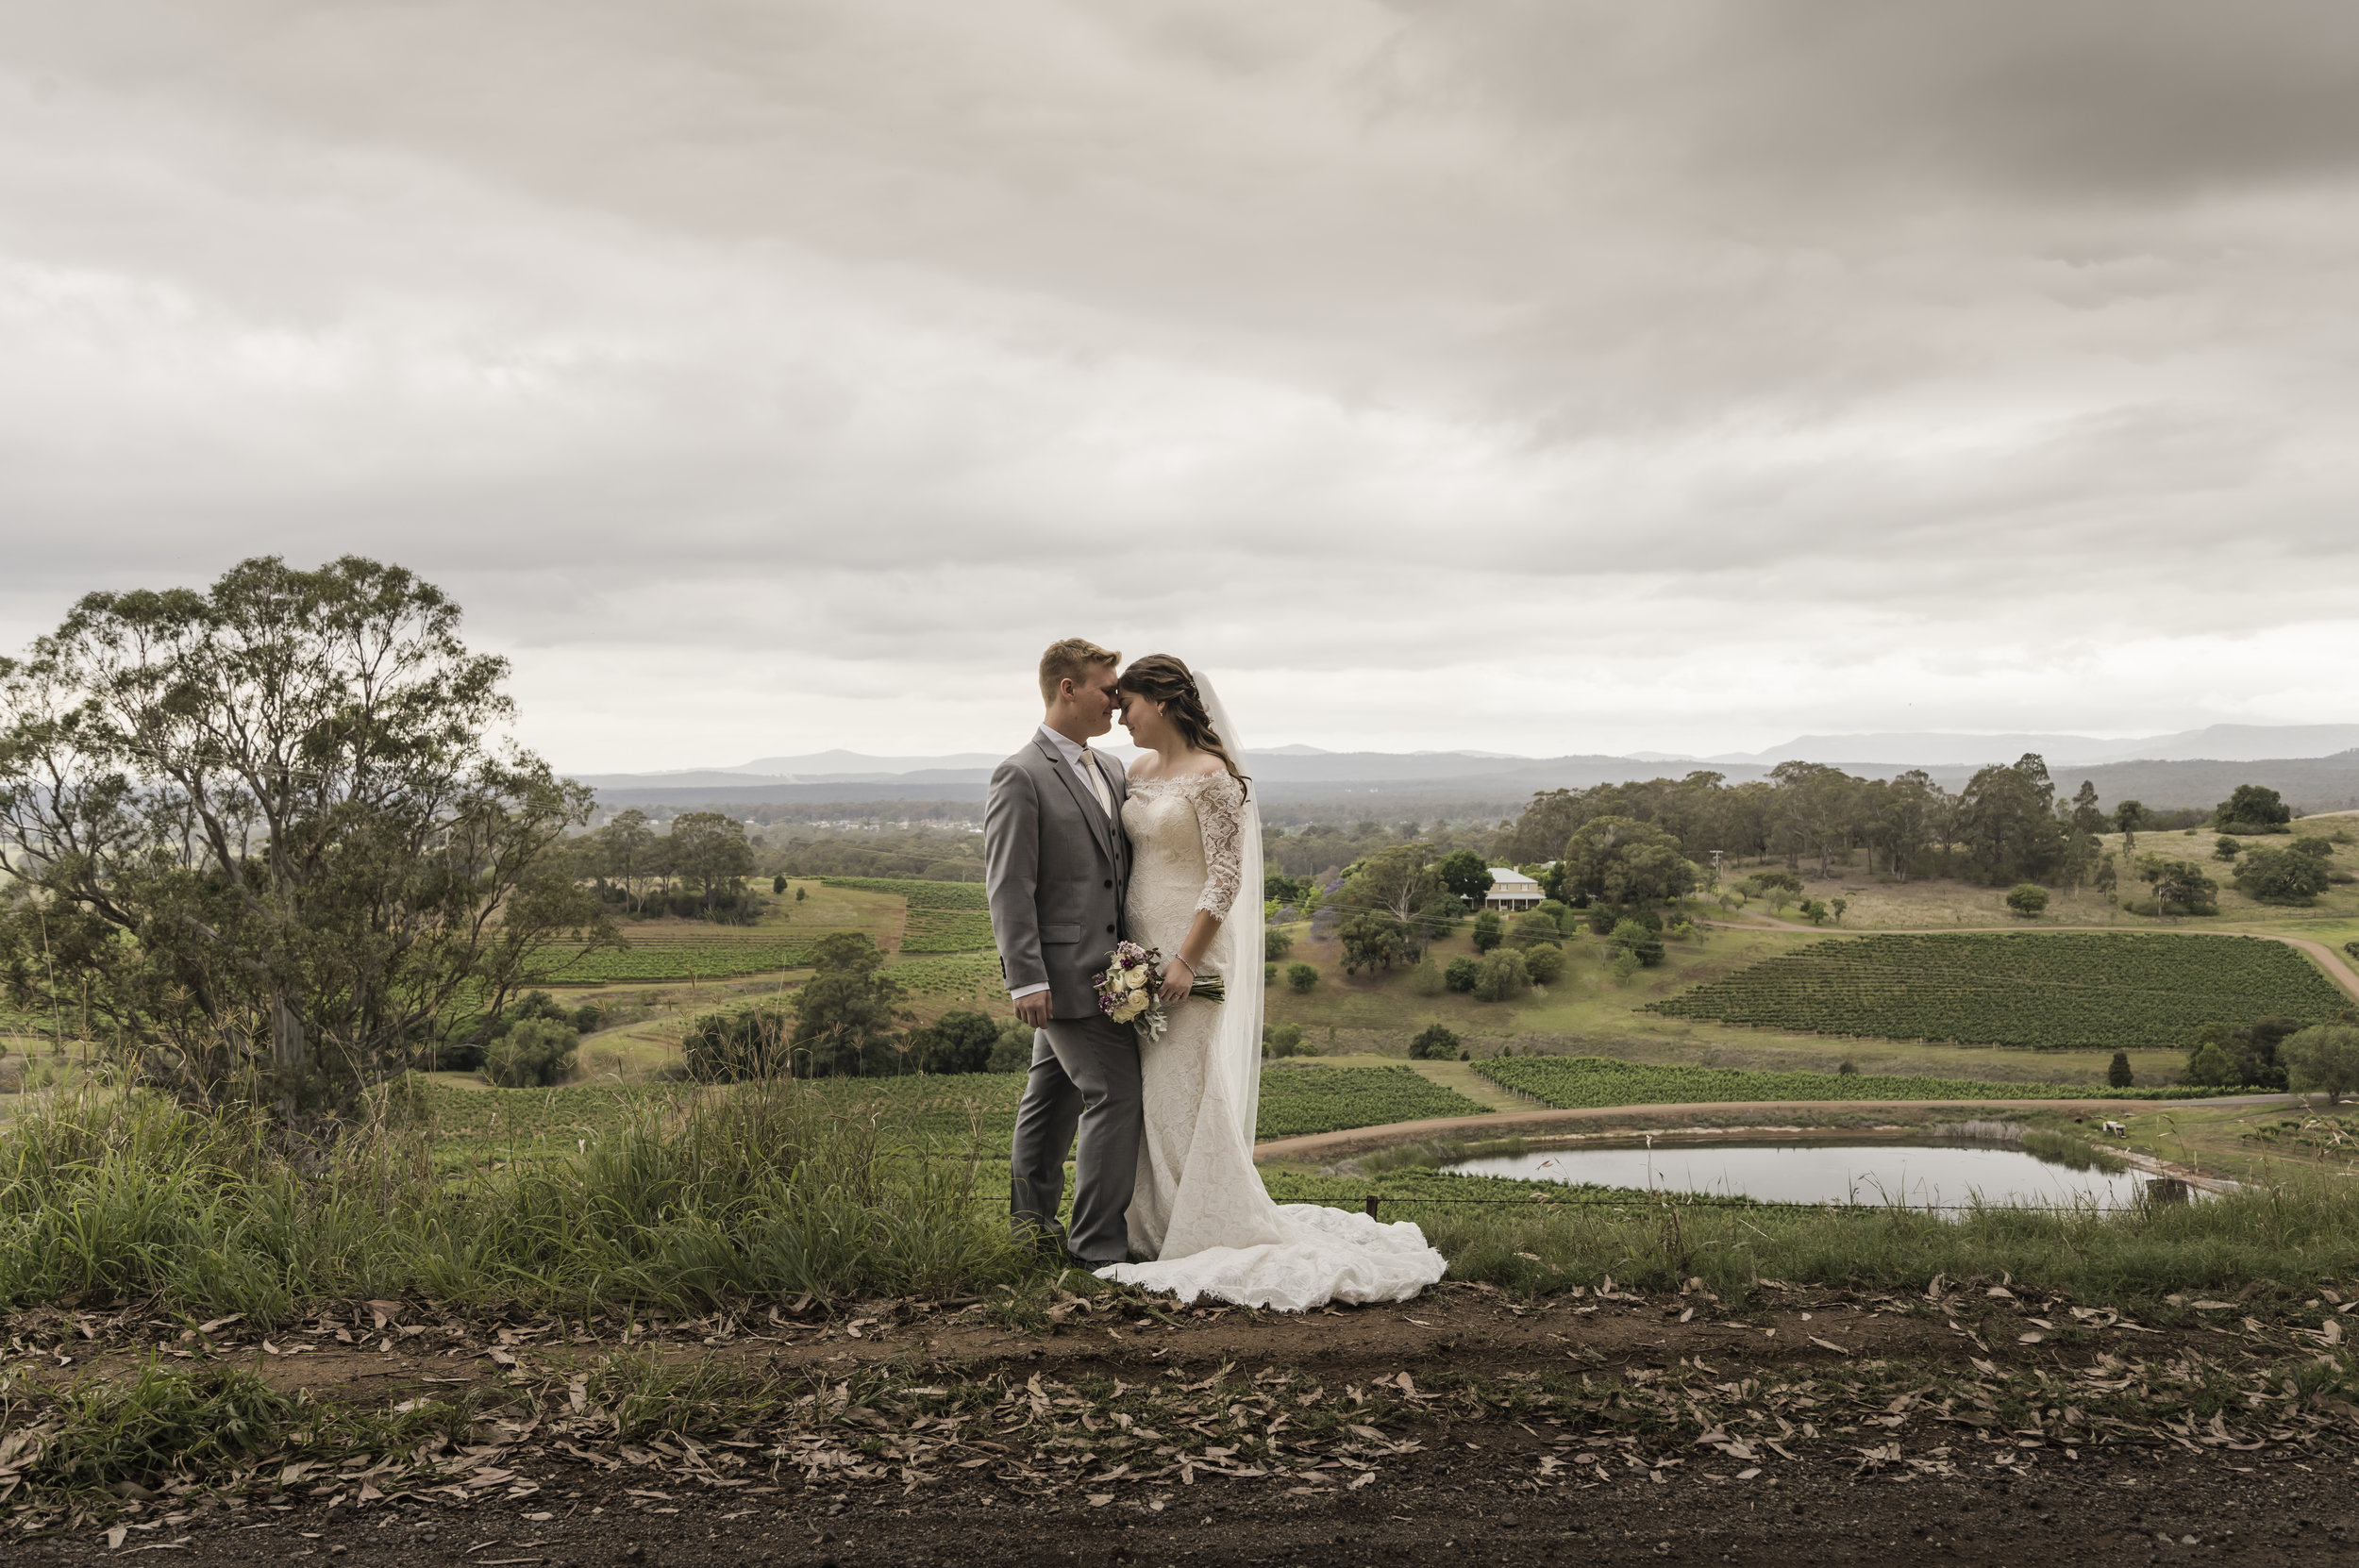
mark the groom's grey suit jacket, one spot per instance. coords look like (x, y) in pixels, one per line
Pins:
(1056, 870)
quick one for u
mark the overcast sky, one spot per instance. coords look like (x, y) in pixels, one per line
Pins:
(1542, 377)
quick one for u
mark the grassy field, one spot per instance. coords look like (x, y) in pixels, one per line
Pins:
(1935, 903)
(2051, 990)
(851, 1191)
(472, 1125)
(1589, 1014)
(1579, 1082)
(1301, 1100)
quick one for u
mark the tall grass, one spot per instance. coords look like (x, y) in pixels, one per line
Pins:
(2271, 1246)
(761, 1191)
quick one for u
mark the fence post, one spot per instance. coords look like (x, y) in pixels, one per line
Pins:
(1373, 1201)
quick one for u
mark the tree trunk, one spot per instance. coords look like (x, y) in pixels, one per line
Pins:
(290, 1053)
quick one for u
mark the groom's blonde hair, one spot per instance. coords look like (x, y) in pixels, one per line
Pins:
(1070, 659)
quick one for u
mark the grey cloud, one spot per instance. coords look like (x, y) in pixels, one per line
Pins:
(829, 357)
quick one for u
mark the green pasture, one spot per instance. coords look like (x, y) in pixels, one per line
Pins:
(1571, 1083)
(2052, 990)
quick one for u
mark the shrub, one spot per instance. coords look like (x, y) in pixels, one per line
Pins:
(2324, 1059)
(1461, 975)
(1503, 978)
(1601, 918)
(534, 1054)
(1013, 1051)
(1814, 910)
(1625, 965)
(736, 1047)
(1846, 1067)
(1438, 916)
(957, 1041)
(2118, 1074)
(1639, 942)
(2179, 884)
(2253, 806)
(1546, 963)
(1557, 911)
(1276, 944)
(1372, 940)
(587, 1017)
(2226, 848)
(846, 1015)
(777, 883)
(1532, 928)
(1284, 1040)
(2281, 876)
(2027, 899)
(1428, 981)
(1435, 1043)
(2209, 1066)
(1488, 931)
(1300, 976)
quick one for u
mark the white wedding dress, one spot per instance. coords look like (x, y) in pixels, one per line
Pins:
(1200, 1209)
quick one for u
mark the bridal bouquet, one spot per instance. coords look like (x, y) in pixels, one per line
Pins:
(1128, 991)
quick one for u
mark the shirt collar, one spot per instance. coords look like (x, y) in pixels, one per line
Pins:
(1067, 746)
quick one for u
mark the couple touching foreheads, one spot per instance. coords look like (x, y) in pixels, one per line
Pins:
(1083, 857)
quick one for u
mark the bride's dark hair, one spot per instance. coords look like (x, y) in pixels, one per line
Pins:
(1162, 678)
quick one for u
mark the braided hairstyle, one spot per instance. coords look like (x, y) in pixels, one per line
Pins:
(1164, 678)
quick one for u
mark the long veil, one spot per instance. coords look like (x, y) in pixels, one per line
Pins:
(1237, 1046)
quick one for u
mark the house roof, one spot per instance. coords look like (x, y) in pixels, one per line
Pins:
(1504, 876)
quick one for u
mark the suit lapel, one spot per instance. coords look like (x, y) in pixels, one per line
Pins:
(1091, 811)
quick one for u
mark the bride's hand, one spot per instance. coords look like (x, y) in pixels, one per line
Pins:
(1177, 977)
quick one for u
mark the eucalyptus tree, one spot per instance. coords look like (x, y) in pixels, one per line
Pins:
(269, 832)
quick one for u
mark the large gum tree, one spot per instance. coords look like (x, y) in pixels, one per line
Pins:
(266, 839)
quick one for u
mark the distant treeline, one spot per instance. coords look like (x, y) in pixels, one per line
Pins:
(2008, 823)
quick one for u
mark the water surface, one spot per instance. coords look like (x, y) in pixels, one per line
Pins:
(1919, 1174)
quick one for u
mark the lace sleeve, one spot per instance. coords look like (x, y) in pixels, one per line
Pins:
(1220, 812)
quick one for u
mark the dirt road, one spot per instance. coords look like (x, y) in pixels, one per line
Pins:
(1602, 1432)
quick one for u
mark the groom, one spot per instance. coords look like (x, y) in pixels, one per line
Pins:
(1057, 866)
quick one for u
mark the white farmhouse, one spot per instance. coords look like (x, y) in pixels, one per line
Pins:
(1512, 889)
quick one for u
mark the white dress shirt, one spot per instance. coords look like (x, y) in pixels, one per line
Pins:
(1077, 758)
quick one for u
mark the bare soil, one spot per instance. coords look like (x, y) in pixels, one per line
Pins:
(1450, 1477)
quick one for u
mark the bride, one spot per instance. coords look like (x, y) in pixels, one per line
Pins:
(1200, 1209)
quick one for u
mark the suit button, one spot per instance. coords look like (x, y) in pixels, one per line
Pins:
(1110, 881)
(1110, 930)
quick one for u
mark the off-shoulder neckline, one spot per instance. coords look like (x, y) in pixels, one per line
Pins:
(1184, 779)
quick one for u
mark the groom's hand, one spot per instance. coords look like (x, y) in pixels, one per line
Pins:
(1034, 1010)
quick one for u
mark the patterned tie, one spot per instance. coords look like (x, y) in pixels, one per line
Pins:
(1097, 783)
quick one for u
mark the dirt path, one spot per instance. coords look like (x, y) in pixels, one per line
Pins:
(1332, 1145)
(1448, 1477)
(1460, 1077)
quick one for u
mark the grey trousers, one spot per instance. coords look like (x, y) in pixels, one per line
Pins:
(1085, 1074)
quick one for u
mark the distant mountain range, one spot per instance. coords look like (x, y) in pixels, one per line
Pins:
(2316, 765)
(2214, 743)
